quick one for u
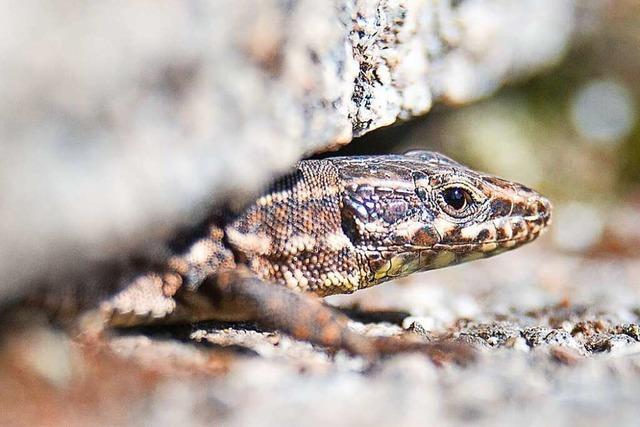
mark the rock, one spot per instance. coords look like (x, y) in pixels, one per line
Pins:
(121, 122)
(494, 334)
(599, 343)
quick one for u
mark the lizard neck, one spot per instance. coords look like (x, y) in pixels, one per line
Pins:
(293, 233)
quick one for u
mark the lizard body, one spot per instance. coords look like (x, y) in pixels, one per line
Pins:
(332, 226)
(338, 225)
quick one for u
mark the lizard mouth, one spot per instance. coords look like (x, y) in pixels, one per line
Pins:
(505, 234)
(481, 240)
(519, 229)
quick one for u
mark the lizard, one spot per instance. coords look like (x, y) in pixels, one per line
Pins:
(330, 226)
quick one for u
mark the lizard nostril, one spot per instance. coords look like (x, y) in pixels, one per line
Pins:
(546, 207)
(541, 207)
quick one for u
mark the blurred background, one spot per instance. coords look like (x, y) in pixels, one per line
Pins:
(126, 126)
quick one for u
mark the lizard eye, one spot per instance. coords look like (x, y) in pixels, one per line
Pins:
(456, 201)
(456, 198)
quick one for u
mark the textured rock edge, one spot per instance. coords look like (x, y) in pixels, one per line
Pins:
(130, 121)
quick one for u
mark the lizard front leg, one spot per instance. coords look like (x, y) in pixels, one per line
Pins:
(305, 317)
(150, 297)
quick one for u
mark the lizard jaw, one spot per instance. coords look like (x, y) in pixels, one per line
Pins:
(502, 234)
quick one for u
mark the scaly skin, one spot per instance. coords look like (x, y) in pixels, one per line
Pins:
(343, 224)
(333, 226)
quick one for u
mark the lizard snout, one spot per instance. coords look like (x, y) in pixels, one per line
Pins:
(538, 215)
(541, 207)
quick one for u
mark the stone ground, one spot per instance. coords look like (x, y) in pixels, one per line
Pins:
(557, 341)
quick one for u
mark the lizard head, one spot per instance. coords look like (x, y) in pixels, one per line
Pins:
(423, 211)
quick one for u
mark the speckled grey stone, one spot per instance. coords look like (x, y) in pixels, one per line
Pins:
(121, 120)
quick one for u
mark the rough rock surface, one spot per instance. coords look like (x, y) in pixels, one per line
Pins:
(119, 120)
(542, 359)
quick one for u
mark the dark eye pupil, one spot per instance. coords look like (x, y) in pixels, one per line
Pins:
(455, 197)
